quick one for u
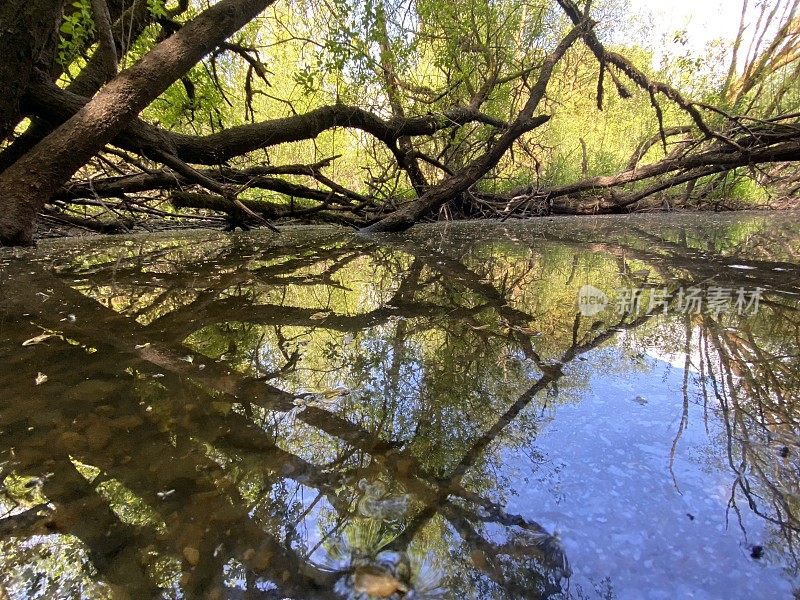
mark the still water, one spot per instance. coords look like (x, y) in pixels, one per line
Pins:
(450, 413)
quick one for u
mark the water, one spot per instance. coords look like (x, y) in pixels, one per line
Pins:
(320, 415)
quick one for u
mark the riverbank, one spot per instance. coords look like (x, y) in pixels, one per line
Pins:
(61, 226)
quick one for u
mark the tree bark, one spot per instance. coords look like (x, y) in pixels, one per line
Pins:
(29, 182)
(107, 47)
(27, 39)
(127, 26)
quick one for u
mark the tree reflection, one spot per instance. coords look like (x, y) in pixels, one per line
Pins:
(324, 416)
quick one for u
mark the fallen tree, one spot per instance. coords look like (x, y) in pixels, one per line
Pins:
(88, 148)
(31, 180)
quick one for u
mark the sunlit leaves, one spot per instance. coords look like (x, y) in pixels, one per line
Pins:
(157, 8)
(77, 29)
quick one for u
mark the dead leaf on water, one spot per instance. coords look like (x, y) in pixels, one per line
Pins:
(41, 378)
(192, 555)
(38, 339)
(339, 392)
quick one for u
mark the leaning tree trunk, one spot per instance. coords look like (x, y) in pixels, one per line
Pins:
(452, 186)
(30, 181)
(28, 38)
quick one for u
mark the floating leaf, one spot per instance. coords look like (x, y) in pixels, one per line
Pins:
(38, 339)
(41, 378)
(192, 555)
(339, 392)
(303, 399)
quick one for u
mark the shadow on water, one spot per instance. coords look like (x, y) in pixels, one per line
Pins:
(327, 416)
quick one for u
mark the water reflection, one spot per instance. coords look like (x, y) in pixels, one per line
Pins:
(325, 416)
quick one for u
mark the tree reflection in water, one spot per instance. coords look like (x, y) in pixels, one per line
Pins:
(325, 416)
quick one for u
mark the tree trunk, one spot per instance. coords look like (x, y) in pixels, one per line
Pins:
(461, 181)
(107, 46)
(27, 39)
(29, 182)
(54, 105)
(452, 186)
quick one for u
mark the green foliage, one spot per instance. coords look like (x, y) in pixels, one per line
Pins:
(77, 28)
(392, 58)
(740, 185)
(157, 8)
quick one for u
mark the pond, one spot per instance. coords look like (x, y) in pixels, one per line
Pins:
(598, 408)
